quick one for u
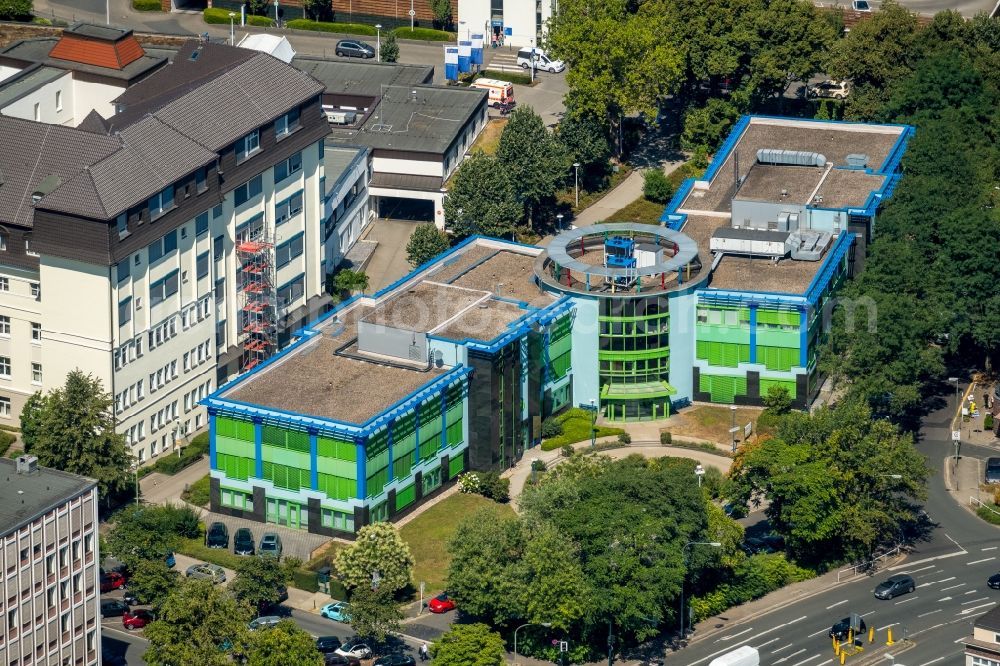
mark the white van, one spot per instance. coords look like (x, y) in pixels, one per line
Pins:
(542, 61)
(500, 92)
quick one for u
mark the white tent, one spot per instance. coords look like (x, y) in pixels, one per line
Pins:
(276, 46)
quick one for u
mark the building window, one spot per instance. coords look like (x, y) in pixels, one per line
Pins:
(36, 332)
(289, 167)
(4, 284)
(163, 289)
(5, 366)
(4, 325)
(287, 123)
(123, 270)
(288, 208)
(292, 291)
(36, 290)
(121, 222)
(202, 265)
(59, 100)
(163, 246)
(248, 190)
(38, 112)
(220, 334)
(217, 212)
(5, 407)
(285, 252)
(201, 179)
(218, 247)
(124, 311)
(251, 229)
(161, 203)
(3, 241)
(201, 225)
(247, 146)
(36, 373)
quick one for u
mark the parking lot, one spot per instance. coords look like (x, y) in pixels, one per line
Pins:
(295, 543)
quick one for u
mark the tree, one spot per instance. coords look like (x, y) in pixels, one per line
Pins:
(708, 126)
(482, 199)
(469, 645)
(198, 625)
(283, 644)
(341, 284)
(534, 159)
(442, 13)
(426, 242)
(138, 536)
(389, 50)
(378, 558)
(778, 401)
(152, 581)
(16, 10)
(655, 186)
(257, 581)
(585, 141)
(374, 613)
(31, 419)
(76, 433)
(318, 10)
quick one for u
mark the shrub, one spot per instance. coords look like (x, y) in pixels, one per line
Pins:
(624, 438)
(551, 428)
(495, 488)
(260, 21)
(539, 466)
(41, 20)
(180, 520)
(510, 77)
(656, 187)
(469, 483)
(172, 464)
(197, 549)
(568, 451)
(323, 26)
(424, 34)
(147, 5)
(216, 15)
(6, 440)
(15, 10)
(988, 422)
(199, 492)
(755, 577)
(666, 438)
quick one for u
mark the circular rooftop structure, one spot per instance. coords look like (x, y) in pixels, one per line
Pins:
(621, 259)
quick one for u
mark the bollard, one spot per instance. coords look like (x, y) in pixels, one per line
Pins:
(889, 641)
(871, 635)
(843, 656)
(850, 637)
(836, 646)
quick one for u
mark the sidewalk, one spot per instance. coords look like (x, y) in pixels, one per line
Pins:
(158, 488)
(627, 191)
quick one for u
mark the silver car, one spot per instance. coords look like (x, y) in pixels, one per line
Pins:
(264, 622)
(212, 572)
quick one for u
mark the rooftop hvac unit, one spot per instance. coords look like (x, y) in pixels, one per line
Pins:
(857, 160)
(790, 157)
(340, 117)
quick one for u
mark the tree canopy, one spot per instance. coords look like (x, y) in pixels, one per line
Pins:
(469, 645)
(426, 242)
(378, 558)
(283, 644)
(534, 159)
(257, 581)
(374, 613)
(482, 199)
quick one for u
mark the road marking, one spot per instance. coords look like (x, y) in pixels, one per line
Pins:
(768, 643)
(951, 587)
(929, 559)
(732, 636)
(965, 594)
(887, 626)
(932, 661)
(944, 599)
(776, 650)
(987, 559)
(929, 613)
(973, 609)
(954, 542)
(839, 603)
(790, 656)
(808, 659)
(945, 580)
(905, 600)
(817, 633)
(929, 566)
(986, 549)
(749, 638)
(966, 603)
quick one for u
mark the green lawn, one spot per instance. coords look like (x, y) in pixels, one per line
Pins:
(199, 492)
(576, 428)
(567, 196)
(428, 536)
(641, 210)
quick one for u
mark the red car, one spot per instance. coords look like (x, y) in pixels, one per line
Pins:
(137, 619)
(111, 580)
(442, 603)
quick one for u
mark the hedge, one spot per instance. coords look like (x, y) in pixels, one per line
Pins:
(260, 21)
(197, 549)
(220, 16)
(147, 5)
(199, 492)
(322, 26)
(6, 439)
(989, 513)
(172, 464)
(752, 579)
(510, 77)
(425, 34)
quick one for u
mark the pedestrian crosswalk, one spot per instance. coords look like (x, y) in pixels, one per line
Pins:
(503, 61)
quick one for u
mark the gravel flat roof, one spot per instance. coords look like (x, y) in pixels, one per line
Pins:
(508, 275)
(848, 187)
(759, 274)
(484, 322)
(768, 182)
(424, 306)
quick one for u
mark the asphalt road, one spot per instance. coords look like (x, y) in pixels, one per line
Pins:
(950, 570)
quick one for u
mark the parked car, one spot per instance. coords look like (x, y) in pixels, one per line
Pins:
(753, 546)
(830, 89)
(839, 630)
(270, 545)
(130, 598)
(217, 536)
(993, 470)
(112, 659)
(442, 603)
(542, 61)
(137, 619)
(353, 48)
(328, 644)
(264, 622)
(735, 511)
(994, 581)
(338, 611)
(895, 586)
(395, 659)
(861, 6)
(111, 580)
(243, 542)
(355, 648)
(113, 607)
(212, 572)
(334, 659)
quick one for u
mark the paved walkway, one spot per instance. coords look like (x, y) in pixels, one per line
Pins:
(157, 488)
(625, 193)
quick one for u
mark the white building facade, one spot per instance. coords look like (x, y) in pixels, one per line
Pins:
(519, 22)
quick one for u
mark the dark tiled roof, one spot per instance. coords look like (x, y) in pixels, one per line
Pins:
(989, 620)
(34, 151)
(93, 122)
(26, 497)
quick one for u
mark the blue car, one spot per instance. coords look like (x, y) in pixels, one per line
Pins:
(338, 611)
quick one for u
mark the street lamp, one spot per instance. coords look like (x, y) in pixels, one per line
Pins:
(684, 554)
(576, 182)
(559, 219)
(232, 28)
(732, 429)
(532, 59)
(699, 471)
(593, 422)
(527, 624)
(378, 42)
(412, 14)
(958, 416)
